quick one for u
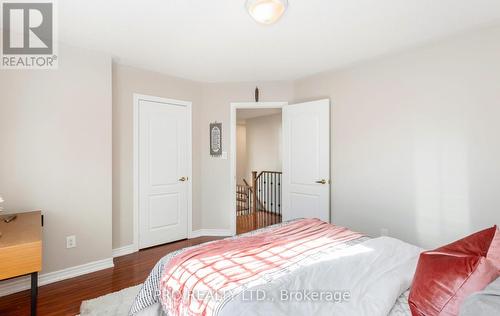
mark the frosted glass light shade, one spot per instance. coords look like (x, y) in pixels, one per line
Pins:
(266, 11)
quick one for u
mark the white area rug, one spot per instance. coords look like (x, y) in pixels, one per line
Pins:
(115, 304)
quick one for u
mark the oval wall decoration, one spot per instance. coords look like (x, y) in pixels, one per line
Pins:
(215, 139)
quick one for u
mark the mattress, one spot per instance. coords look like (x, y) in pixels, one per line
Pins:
(375, 285)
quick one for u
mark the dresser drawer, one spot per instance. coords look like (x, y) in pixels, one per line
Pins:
(20, 259)
(21, 245)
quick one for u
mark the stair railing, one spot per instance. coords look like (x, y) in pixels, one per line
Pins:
(266, 193)
(243, 199)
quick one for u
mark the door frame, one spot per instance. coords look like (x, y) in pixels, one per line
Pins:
(188, 105)
(232, 156)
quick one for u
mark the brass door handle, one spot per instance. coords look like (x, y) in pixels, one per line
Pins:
(322, 181)
(183, 179)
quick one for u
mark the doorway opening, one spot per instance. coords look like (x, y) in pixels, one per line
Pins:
(258, 168)
(301, 189)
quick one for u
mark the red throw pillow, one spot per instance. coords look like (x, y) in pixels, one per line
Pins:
(447, 275)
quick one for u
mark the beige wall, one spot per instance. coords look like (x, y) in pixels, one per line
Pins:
(416, 144)
(241, 154)
(263, 144)
(413, 139)
(55, 153)
(211, 102)
(215, 172)
(126, 82)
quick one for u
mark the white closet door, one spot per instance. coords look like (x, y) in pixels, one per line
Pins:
(163, 183)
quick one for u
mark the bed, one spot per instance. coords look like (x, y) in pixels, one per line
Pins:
(299, 267)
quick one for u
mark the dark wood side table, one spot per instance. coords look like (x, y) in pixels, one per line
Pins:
(21, 250)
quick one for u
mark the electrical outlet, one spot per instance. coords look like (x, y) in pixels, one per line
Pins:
(384, 232)
(71, 241)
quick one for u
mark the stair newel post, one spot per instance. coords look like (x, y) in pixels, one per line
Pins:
(254, 197)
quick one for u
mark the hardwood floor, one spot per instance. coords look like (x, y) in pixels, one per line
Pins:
(65, 297)
(246, 223)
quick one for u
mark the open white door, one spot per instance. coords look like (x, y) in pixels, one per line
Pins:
(306, 160)
(163, 172)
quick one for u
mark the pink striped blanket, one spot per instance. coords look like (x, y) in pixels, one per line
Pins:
(198, 280)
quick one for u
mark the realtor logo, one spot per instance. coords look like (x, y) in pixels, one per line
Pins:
(28, 35)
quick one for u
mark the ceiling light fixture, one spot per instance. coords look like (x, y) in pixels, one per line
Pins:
(266, 11)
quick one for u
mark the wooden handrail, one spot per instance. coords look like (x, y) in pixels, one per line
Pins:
(271, 172)
(246, 183)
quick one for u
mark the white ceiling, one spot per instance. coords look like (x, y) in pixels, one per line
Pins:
(216, 40)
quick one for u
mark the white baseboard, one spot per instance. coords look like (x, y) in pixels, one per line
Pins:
(23, 283)
(125, 250)
(210, 232)
(8, 287)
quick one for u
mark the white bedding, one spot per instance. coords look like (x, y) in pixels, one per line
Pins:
(375, 273)
(400, 308)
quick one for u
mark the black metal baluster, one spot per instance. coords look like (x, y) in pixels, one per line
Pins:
(257, 183)
(273, 188)
(267, 199)
(264, 196)
(272, 199)
(269, 214)
(270, 188)
(277, 196)
(264, 186)
(261, 197)
(275, 199)
(250, 198)
(273, 203)
(279, 190)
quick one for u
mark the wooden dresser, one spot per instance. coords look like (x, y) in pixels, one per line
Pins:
(21, 249)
